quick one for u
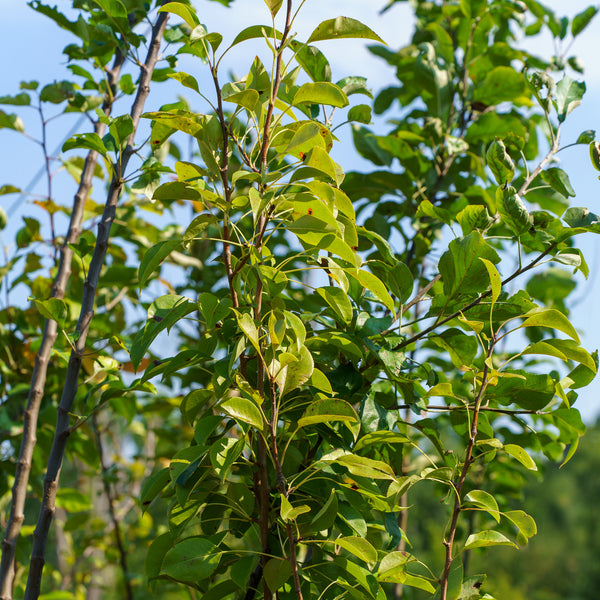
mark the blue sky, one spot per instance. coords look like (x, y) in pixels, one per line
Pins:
(31, 48)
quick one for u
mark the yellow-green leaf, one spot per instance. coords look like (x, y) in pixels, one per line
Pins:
(322, 92)
(552, 318)
(342, 27)
(521, 455)
(359, 547)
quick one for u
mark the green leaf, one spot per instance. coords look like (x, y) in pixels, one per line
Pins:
(461, 268)
(246, 98)
(191, 560)
(11, 122)
(485, 501)
(379, 438)
(501, 84)
(113, 8)
(156, 554)
(513, 211)
(531, 391)
(54, 309)
(153, 486)
(586, 137)
(289, 512)
(361, 113)
(244, 410)
(328, 410)
(312, 60)
(21, 99)
(393, 566)
(338, 300)
(523, 522)
(9, 189)
(325, 518)
(354, 85)
(186, 80)
(153, 257)
(568, 96)
(352, 518)
(366, 467)
(321, 92)
(550, 317)
(487, 538)
(564, 349)
(163, 313)
(342, 27)
(223, 453)
(521, 455)
(89, 141)
(274, 6)
(181, 10)
(248, 327)
(495, 279)
(359, 547)
(558, 180)
(200, 33)
(57, 92)
(296, 373)
(256, 31)
(277, 571)
(500, 162)
(474, 216)
(376, 287)
(582, 20)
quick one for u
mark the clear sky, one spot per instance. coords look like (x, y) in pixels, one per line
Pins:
(31, 47)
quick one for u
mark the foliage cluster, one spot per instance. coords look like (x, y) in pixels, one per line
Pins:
(336, 339)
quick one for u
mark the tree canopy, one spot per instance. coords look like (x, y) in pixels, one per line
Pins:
(242, 369)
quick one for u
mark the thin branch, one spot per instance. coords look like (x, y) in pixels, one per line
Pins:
(87, 312)
(48, 170)
(38, 378)
(458, 487)
(502, 411)
(224, 173)
(110, 500)
(474, 302)
(553, 150)
(421, 294)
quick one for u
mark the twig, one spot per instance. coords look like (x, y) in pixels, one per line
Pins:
(38, 378)
(87, 312)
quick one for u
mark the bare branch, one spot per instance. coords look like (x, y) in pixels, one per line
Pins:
(87, 312)
(38, 378)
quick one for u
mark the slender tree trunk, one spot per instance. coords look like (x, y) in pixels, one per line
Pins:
(38, 378)
(87, 312)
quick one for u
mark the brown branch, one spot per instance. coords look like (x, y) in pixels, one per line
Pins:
(283, 488)
(224, 173)
(87, 312)
(278, 76)
(38, 378)
(110, 500)
(458, 487)
(502, 411)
